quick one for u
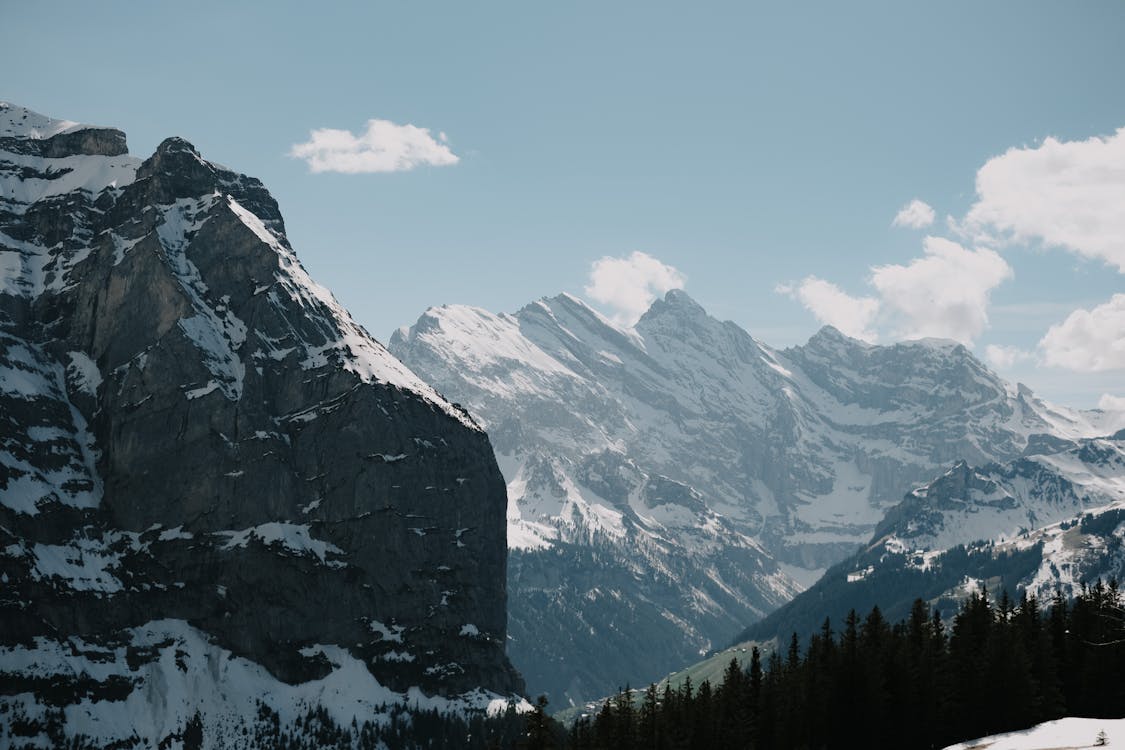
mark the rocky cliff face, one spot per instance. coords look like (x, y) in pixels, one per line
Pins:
(681, 478)
(213, 482)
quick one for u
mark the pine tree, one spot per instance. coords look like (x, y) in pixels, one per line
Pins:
(539, 727)
(647, 735)
(754, 695)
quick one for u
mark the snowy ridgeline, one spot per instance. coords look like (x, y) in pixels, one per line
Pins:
(685, 396)
(1063, 734)
(150, 688)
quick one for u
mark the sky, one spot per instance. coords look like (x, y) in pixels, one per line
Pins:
(896, 169)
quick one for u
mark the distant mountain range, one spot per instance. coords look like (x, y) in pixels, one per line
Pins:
(1045, 523)
(671, 482)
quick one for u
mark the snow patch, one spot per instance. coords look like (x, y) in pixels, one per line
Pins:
(1072, 733)
(188, 674)
(292, 537)
(84, 373)
(214, 329)
(391, 633)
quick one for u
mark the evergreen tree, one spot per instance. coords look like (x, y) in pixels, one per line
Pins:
(647, 735)
(538, 727)
(903, 685)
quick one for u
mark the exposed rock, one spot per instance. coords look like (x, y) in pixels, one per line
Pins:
(194, 434)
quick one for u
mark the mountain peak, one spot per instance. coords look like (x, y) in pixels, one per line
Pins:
(832, 333)
(568, 305)
(681, 298)
(183, 173)
(676, 303)
(830, 338)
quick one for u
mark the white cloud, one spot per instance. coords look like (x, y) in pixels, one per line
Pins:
(631, 284)
(1003, 357)
(835, 307)
(916, 214)
(1088, 340)
(384, 147)
(1068, 194)
(1111, 403)
(943, 294)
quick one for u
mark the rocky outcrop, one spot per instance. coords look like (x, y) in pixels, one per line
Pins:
(197, 441)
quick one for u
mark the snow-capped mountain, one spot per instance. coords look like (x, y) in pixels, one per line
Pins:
(222, 502)
(1053, 481)
(685, 477)
(1046, 522)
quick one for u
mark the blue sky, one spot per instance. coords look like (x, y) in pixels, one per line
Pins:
(745, 147)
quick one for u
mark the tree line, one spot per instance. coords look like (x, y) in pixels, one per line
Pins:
(999, 665)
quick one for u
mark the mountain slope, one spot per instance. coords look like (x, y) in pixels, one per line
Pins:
(1046, 522)
(715, 476)
(213, 482)
(1071, 732)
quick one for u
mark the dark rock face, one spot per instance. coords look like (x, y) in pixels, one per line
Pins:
(85, 142)
(193, 430)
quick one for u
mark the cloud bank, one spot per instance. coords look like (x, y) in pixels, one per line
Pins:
(383, 147)
(629, 285)
(832, 306)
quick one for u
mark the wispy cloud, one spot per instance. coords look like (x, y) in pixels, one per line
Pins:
(383, 147)
(629, 285)
(1067, 194)
(916, 215)
(835, 307)
(1004, 357)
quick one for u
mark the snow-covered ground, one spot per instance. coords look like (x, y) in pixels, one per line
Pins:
(188, 673)
(1054, 735)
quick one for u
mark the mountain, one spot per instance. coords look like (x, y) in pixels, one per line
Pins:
(222, 503)
(1046, 522)
(671, 482)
